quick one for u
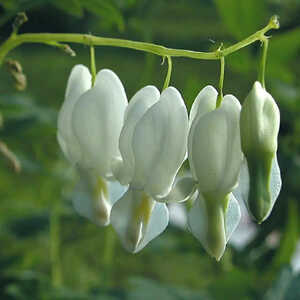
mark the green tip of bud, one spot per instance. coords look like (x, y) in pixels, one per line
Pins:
(274, 21)
(68, 50)
(20, 19)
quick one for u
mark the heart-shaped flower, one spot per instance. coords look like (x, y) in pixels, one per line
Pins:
(89, 126)
(153, 145)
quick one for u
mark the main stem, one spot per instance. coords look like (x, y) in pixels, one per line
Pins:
(16, 40)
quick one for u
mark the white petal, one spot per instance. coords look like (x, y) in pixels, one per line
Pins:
(94, 196)
(138, 219)
(97, 121)
(242, 190)
(137, 107)
(79, 82)
(182, 190)
(159, 144)
(204, 102)
(214, 147)
(232, 217)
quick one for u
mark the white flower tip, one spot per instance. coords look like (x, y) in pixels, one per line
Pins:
(106, 77)
(172, 93)
(257, 86)
(134, 236)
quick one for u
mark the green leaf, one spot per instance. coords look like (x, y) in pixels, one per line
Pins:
(242, 17)
(280, 286)
(146, 289)
(285, 287)
(105, 10)
(242, 62)
(289, 237)
(285, 46)
(9, 4)
(71, 7)
(293, 292)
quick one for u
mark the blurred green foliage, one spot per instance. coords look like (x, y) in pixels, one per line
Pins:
(49, 252)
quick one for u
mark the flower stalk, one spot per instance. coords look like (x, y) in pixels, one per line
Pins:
(93, 64)
(221, 80)
(263, 61)
(169, 72)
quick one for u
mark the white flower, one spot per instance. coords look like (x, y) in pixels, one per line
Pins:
(215, 157)
(89, 126)
(153, 147)
(260, 180)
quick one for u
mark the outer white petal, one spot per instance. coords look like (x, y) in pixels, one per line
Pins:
(205, 102)
(159, 144)
(214, 147)
(232, 217)
(137, 107)
(94, 196)
(138, 223)
(79, 82)
(182, 190)
(198, 220)
(97, 121)
(242, 190)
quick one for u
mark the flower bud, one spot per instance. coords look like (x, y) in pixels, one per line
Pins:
(259, 123)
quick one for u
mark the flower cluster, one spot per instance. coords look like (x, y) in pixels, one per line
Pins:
(128, 155)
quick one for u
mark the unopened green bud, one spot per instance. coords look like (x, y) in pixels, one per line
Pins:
(259, 124)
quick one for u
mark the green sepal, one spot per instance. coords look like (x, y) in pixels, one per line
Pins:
(259, 201)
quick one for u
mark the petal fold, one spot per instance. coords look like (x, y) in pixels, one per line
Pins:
(93, 197)
(182, 190)
(211, 226)
(138, 219)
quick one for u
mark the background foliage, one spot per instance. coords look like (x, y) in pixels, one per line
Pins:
(47, 251)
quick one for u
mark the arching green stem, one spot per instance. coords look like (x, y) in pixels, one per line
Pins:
(16, 40)
(168, 77)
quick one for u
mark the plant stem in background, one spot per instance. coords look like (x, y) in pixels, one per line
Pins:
(56, 275)
(108, 256)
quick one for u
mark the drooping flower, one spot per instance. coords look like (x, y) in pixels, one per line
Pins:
(215, 157)
(153, 145)
(89, 126)
(260, 180)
